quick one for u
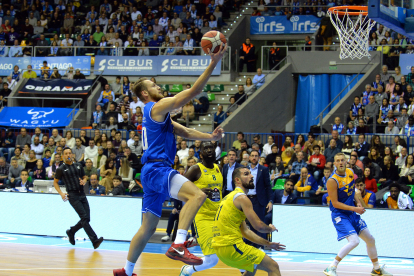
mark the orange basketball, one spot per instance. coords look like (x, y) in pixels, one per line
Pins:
(212, 40)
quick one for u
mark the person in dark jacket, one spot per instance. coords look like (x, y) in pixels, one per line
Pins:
(24, 184)
(247, 56)
(389, 173)
(7, 145)
(362, 147)
(118, 189)
(284, 196)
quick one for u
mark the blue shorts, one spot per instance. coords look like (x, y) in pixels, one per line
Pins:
(348, 224)
(155, 179)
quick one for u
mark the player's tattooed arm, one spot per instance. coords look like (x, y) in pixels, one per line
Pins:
(244, 204)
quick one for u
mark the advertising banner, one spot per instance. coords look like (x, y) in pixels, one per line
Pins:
(7, 64)
(63, 63)
(131, 66)
(32, 117)
(297, 24)
(57, 86)
(406, 61)
(155, 65)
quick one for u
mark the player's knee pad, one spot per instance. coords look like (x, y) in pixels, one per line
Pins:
(353, 241)
(370, 241)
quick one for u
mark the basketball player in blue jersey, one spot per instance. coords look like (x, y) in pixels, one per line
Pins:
(157, 176)
(346, 216)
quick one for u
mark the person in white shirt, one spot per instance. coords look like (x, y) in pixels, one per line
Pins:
(163, 20)
(183, 152)
(189, 46)
(267, 148)
(37, 147)
(135, 102)
(91, 151)
(135, 13)
(65, 44)
(11, 82)
(131, 140)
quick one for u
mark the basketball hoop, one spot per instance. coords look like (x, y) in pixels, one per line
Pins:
(353, 34)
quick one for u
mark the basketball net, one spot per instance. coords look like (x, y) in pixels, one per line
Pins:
(353, 34)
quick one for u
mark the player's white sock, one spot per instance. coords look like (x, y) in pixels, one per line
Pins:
(208, 262)
(335, 263)
(376, 265)
(181, 236)
(129, 268)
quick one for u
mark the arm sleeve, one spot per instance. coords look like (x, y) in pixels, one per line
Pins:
(58, 174)
(81, 171)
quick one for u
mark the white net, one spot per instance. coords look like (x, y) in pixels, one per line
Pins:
(353, 33)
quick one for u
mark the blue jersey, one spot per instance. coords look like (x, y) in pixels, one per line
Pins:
(346, 189)
(158, 140)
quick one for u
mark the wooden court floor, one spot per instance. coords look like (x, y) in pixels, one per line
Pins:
(42, 260)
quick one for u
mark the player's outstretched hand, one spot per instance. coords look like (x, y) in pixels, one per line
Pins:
(273, 228)
(217, 134)
(216, 57)
(64, 197)
(359, 210)
(277, 246)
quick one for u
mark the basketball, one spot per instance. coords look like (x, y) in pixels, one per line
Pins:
(212, 40)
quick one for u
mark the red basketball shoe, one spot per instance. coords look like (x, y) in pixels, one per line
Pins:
(180, 253)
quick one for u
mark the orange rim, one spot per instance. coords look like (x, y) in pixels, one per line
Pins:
(349, 10)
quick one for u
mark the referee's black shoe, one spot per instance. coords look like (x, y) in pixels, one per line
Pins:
(71, 237)
(98, 242)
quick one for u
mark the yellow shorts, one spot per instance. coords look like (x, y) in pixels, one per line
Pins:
(203, 226)
(241, 256)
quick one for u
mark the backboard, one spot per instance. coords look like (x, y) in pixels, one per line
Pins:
(397, 15)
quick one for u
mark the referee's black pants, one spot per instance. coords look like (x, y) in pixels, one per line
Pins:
(80, 204)
(260, 211)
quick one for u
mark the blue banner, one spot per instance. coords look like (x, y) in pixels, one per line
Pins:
(57, 86)
(63, 63)
(7, 64)
(155, 65)
(406, 61)
(32, 117)
(297, 24)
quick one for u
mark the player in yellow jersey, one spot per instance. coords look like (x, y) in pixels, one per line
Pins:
(230, 228)
(206, 176)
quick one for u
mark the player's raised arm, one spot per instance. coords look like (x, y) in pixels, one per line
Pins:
(168, 104)
(332, 187)
(193, 134)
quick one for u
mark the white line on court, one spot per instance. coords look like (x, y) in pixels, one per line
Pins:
(171, 268)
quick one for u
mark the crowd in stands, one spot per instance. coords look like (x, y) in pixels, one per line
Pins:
(130, 28)
(386, 106)
(108, 162)
(304, 165)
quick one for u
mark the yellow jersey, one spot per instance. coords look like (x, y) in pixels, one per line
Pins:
(213, 179)
(226, 227)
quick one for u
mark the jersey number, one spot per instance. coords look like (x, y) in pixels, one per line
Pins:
(144, 139)
(214, 177)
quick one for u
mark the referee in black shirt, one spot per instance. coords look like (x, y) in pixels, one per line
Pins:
(73, 175)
